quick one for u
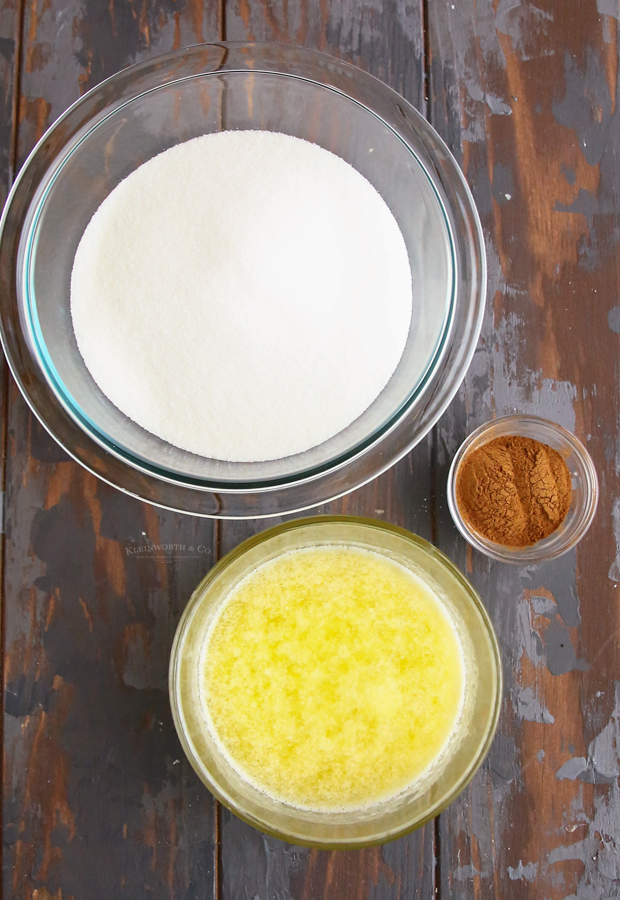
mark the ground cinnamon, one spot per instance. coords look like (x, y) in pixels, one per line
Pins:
(513, 490)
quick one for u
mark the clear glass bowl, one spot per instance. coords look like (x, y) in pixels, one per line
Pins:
(426, 798)
(150, 107)
(583, 480)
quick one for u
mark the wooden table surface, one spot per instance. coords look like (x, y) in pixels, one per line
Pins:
(99, 802)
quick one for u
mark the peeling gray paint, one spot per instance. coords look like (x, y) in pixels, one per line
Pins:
(479, 805)
(503, 18)
(605, 748)
(577, 110)
(528, 706)
(605, 756)
(560, 653)
(504, 760)
(542, 606)
(483, 193)
(613, 316)
(584, 204)
(503, 187)
(56, 40)
(572, 768)
(614, 570)
(558, 577)
(497, 106)
(553, 645)
(572, 851)
(524, 391)
(523, 23)
(469, 24)
(527, 873)
(529, 639)
(609, 8)
(463, 873)
(602, 765)
(588, 110)
(598, 850)
(569, 174)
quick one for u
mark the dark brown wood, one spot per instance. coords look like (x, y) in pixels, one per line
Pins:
(525, 94)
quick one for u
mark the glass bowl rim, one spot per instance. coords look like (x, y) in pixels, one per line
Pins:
(535, 553)
(124, 454)
(371, 455)
(379, 526)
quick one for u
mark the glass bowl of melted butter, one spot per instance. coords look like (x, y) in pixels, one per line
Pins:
(335, 682)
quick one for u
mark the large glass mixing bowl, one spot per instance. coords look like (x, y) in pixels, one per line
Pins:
(150, 107)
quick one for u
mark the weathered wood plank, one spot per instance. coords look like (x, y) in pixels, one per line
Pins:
(10, 15)
(384, 37)
(526, 97)
(98, 798)
(387, 40)
(10, 22)
(72, 46)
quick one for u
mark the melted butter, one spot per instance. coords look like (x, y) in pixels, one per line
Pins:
(332, 677)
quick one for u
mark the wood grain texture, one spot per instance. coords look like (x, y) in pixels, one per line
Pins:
(10, 15)
(99, 800)
(385, 37)
(10, 23)
(526, 97)
(72, 45)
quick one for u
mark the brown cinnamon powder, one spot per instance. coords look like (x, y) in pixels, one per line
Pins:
(513, 490)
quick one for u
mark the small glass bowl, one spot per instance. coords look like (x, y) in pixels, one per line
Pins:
(583, 479)
(427, 796)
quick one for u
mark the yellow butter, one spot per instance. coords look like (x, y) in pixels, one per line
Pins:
(332, 677)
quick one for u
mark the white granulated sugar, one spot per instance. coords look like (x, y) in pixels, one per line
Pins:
(244, 295)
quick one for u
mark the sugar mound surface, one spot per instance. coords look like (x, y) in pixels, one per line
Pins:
(244, 295)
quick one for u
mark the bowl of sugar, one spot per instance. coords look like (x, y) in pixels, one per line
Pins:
(335, 681)
(240, 280)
